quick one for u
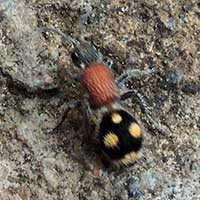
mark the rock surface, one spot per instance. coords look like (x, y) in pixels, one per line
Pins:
(41, 158)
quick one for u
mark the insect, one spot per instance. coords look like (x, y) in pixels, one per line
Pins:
(119, 133)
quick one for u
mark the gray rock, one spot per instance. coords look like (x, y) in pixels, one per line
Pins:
(171, 24)
(23, 55)
(152, 180)
(50, 172)
(173, 79)
(135, 189)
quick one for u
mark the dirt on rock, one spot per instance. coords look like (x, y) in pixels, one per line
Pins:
(44, 159)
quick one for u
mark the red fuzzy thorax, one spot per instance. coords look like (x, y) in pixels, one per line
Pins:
(99, 81)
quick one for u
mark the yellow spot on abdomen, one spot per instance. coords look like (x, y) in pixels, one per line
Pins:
(130, 158)
(116, 118)
(111, 140)
(134, 130)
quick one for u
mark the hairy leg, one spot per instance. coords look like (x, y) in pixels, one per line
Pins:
(108, 61)
(87, 112)
(145, 110)
(65, 38)
(133, 73)
(70, 105)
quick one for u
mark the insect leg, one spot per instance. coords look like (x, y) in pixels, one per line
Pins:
(86, 118)
(145, 109)
(70, 105)
(133, 73)
(65, 38)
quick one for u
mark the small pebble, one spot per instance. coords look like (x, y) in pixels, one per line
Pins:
(171, 24)
(152, 180)
(192, 88)
(171, 192)
(134, 188)
(173, 79)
